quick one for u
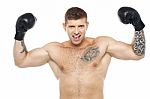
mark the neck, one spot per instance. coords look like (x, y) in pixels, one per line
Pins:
(85, 42)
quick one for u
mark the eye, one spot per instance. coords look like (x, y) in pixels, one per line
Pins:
(81, 26)
(71, 26)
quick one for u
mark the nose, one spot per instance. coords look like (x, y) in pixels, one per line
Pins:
(76, 32)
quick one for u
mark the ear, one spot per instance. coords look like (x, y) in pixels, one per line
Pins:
(64, 26)
(87, 24)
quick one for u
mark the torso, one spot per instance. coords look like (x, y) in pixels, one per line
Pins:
(81, 71)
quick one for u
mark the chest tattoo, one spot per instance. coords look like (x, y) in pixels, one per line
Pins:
(90, 54)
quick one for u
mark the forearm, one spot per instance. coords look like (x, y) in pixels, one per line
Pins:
(138, 44)
(24, 23)
(22, 57)
(129, 15)
(20, 52)
(32, 58)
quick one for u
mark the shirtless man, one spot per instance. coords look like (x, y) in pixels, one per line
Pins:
(81, 63)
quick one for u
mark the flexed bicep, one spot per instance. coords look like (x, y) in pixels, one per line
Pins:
(121, 50)
(24, 58)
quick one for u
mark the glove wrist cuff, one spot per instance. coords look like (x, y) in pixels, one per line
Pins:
(139, 26)
(19, 36)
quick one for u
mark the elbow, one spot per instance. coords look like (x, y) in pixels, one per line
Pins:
(138, 54)
(139, 57)
(19, 65)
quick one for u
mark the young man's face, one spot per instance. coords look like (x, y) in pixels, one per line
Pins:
(76, 30)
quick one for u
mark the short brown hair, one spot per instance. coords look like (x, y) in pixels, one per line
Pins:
(75, 13)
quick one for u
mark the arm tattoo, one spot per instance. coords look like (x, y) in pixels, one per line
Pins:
(90, 54)
(139, 43)
(24, 47)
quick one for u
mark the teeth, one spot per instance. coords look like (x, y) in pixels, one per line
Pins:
(76, 37)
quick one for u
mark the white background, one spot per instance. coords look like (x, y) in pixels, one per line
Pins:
(124, 80)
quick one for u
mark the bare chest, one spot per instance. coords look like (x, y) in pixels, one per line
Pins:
(78, 60)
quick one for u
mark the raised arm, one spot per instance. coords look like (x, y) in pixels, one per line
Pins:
(22, 57)
(136, 49)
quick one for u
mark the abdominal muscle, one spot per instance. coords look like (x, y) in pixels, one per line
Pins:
(83, 84)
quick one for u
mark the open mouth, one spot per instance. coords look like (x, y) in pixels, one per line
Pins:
(76, 37)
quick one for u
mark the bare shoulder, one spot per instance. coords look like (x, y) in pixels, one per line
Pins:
(52, 46)
(104, 39)
(100, 38)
